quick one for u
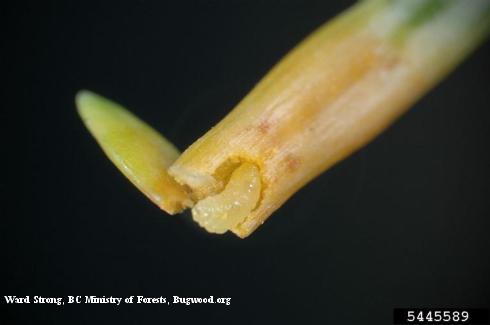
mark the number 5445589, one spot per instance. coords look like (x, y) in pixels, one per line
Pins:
(437, 316)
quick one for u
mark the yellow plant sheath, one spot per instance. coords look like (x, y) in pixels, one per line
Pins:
(331, 95)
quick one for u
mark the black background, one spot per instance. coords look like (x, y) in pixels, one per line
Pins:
(404, 222)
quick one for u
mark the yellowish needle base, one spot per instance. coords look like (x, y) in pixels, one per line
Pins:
(331, 95)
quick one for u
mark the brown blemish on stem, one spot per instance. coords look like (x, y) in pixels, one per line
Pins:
(264, 127)
(292, 163)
